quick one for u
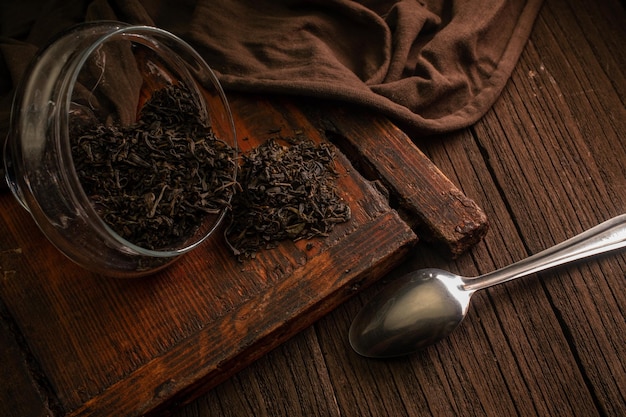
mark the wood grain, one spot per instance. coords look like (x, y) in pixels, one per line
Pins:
(426, 199)
(131, 347)
(547, 162)
(125, 347)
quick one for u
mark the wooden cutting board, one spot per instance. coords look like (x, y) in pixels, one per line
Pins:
(79, 344)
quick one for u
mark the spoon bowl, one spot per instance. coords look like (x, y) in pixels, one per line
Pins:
(424, 306)
(416, 310)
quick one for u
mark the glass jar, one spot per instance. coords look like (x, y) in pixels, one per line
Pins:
(101, 75)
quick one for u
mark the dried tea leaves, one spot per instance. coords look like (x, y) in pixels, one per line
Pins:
(154, 182)
(286, 192)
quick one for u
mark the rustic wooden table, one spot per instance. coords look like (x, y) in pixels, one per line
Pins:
(547, 162)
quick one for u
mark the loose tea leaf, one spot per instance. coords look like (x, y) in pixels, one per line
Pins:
(286, 192)
(154, 182)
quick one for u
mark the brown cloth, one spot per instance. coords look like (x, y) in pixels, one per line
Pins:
(432, 66)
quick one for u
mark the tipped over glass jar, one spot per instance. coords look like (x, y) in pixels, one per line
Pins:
(122, 147)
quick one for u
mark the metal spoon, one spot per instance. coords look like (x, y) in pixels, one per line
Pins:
(425, 306)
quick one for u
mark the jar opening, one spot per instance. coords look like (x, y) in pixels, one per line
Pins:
(111, 108)
(147, 159)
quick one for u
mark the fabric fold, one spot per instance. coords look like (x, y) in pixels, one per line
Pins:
(432, 66)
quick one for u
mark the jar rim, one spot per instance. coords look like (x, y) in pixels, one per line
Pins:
(160, 48)
(161, 42)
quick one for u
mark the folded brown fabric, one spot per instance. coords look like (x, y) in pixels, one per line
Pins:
(432, 66)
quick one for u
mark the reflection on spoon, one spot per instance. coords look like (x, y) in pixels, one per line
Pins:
(425, 306)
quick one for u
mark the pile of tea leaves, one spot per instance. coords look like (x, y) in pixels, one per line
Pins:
(153, 182)
(287, 191)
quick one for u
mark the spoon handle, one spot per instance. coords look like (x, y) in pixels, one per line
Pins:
(607, 236)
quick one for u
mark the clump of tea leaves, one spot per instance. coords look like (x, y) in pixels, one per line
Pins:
(154, 182)
(287, 192)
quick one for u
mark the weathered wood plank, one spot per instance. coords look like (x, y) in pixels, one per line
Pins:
(290, 374)
(21, 396)
(561, 172)
(578, 180)
(126, 347)
(431, 203)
